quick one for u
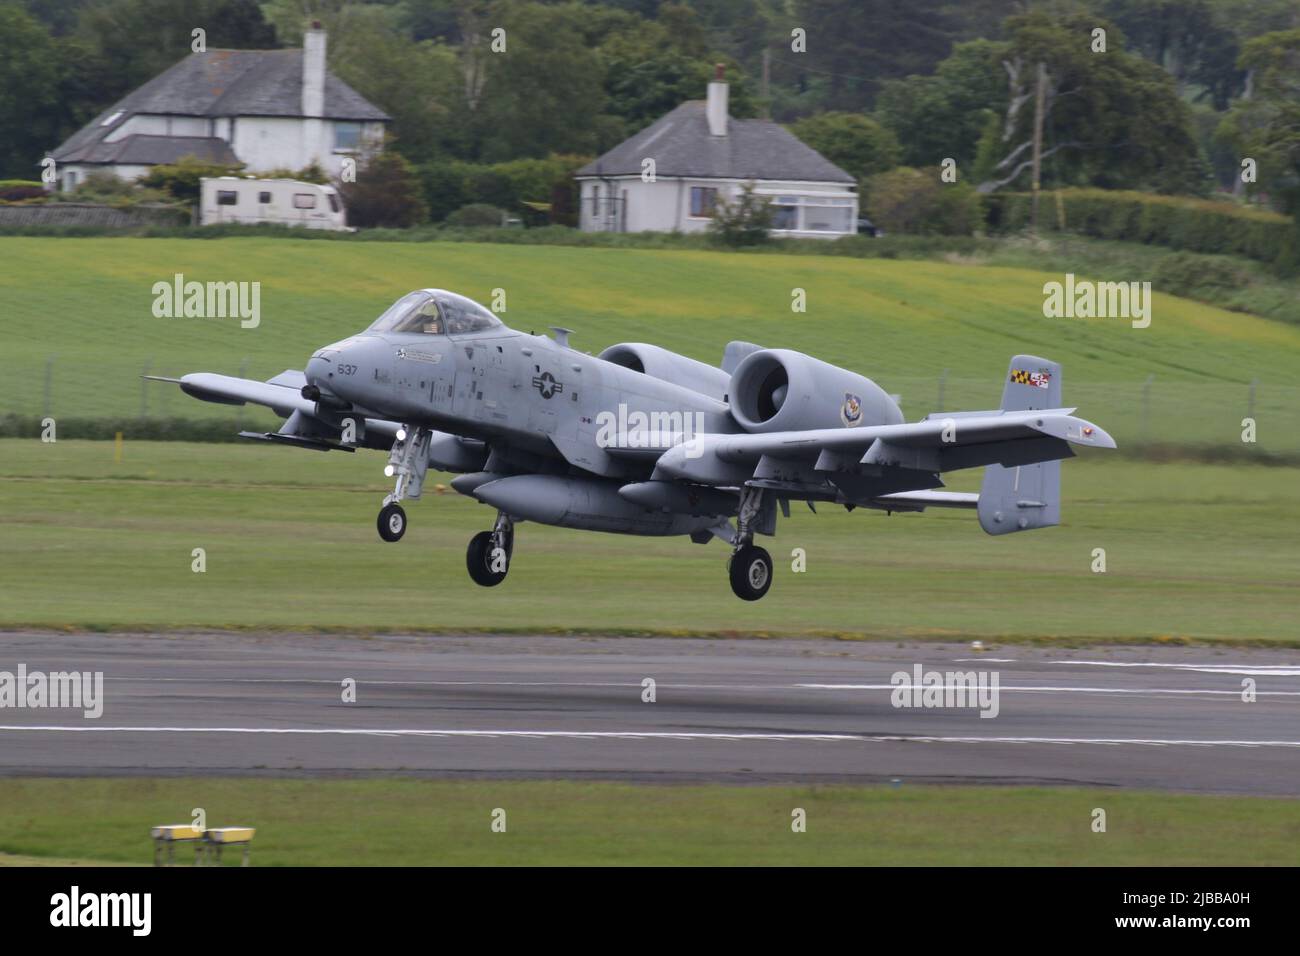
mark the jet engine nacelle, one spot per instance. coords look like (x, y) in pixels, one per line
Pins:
(662, 364)
(775, 390)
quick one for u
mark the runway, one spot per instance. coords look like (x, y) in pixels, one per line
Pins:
(723, 710)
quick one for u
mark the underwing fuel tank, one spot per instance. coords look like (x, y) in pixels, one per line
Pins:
(679, 498)
(584, 503)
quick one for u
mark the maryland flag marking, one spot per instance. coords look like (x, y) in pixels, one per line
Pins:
(1036, 379)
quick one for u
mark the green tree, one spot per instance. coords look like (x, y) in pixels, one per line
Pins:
(385, 194)
(542, 93)
(942, 116)
(1266, 127)
(141, 38)
(416, 83)
(1112, 120)
(857, 44)
(857, 144)
(919, 202)
(28, 92)
(742, 221)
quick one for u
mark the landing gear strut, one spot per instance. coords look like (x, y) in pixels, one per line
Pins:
(408, 462)
(750, 569)
(488, 556)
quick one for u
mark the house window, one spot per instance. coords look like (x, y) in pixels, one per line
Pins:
(812, 214)
(264, 198)
(347, 137)
(785, 212)
(227, 197)
(827, 215)
(304, 200)
(334, 202)
(702, 201)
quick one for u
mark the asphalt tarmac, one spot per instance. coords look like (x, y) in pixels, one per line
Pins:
(723, 710)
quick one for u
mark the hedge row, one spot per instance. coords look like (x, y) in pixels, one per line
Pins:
(138, 429)
(1195, 225)
(452, 184)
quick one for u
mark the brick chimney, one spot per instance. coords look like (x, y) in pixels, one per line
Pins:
(313, 70)
(716, 110)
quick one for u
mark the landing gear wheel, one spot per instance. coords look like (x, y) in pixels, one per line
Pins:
(751, 572)
(392, 522)
(486, 565)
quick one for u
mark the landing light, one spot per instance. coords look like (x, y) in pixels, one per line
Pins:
(388, 471)
(401, 434)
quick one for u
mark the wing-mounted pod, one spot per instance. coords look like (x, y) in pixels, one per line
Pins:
(776, 390)
(670, 367)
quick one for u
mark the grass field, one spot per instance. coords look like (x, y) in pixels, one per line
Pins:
(415, 822)
(1193, 551)
(82, 309)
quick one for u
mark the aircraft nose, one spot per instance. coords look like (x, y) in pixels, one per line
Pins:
(318, 369)
(329, 370)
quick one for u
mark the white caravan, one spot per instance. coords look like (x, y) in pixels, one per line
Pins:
(285, 202)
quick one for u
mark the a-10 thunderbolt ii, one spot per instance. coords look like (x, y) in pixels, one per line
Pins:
(641, 440)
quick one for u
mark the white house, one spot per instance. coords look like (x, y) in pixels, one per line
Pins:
(269, 109)
(668, 176)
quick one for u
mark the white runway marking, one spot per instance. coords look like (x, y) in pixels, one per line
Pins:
(647, 735)
(1248, 670)
(1068, 690)
(667, 683)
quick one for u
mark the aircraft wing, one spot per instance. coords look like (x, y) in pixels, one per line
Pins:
(936, 444)
(308, 426)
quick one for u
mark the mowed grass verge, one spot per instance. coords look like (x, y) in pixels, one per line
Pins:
(1193, 552)
(417, 822)
(406, 821)
(82, 308)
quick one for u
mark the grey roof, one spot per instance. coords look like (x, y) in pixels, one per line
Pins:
(143, 150)
(681, 145)
(222, 83)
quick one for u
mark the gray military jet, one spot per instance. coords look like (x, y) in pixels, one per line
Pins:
(641, 440)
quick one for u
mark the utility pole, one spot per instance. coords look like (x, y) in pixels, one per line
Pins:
(1039, 100)
(766, 84)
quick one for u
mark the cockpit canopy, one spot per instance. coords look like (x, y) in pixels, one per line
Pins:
(435, 312)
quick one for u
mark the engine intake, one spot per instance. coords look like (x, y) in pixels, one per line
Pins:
(781, 390)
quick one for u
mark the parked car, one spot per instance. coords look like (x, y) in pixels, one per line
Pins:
(868, 228)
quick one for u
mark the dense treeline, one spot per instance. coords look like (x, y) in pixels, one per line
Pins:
(1181, 92)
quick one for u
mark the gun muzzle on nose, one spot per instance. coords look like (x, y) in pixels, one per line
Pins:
(324, 398)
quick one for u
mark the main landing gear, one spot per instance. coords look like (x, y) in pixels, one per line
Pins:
(488, 556)
(750, 568)
(408, 462)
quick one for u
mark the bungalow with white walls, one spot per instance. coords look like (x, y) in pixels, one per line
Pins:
(268, 109)
(668, 176)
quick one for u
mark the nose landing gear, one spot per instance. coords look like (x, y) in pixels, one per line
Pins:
(408, 461)
(392, 522)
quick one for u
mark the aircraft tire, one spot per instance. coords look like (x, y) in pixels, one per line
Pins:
(391, 522)
(478, 561)
(750, 572)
